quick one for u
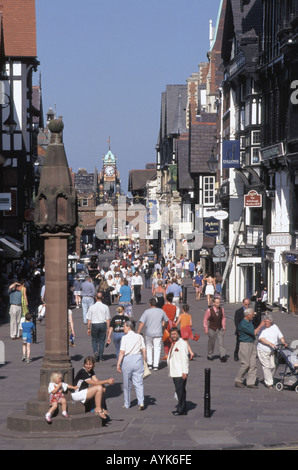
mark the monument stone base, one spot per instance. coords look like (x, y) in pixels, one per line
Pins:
(32, 420)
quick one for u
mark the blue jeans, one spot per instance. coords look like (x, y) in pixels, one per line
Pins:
(98, 336)
(117, 341)
(86, 303)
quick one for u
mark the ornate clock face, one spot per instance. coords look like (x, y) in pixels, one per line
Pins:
(109, 170)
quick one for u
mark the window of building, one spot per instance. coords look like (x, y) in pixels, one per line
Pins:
(84, 201)
(256, 137)
(242, 118)
(209, 190)
(255, 158)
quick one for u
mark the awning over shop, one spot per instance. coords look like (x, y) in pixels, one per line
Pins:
(10, 247)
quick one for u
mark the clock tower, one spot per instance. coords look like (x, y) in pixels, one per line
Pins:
(109, 178)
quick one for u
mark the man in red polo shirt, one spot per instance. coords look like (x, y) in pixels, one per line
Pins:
(215, 326)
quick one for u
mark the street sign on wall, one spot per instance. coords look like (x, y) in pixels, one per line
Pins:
(221, 215)
(253, 199)
(231, 154)
(278, 239)
(211, 227)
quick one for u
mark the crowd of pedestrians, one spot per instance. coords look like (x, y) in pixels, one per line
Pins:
(165, 323)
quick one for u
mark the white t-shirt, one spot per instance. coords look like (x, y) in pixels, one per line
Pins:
(53, 385)
(272, 334)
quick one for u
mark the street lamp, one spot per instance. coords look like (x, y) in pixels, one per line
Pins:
(171, 184)
(10, 125)
(212, 162)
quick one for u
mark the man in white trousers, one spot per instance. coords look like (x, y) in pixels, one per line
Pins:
(154, 319)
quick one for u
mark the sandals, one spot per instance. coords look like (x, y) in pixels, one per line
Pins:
(101, 414)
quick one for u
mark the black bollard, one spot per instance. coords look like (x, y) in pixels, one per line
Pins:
(34, 333)
(184, 294)
(207, 396)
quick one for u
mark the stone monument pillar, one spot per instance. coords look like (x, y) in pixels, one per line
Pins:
(56, 216)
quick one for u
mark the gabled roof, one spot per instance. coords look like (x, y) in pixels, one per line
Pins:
(243, 19)
(173, 108)
(138, 178)
(203, 138)
(185, 181)
(19, 27)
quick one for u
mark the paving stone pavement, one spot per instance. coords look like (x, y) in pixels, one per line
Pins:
(240, 418)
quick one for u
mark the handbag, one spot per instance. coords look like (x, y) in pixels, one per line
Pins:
(146, 370)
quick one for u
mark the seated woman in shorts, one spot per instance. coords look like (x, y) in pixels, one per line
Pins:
(90, 388)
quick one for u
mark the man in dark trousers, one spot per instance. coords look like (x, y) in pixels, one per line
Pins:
(178, 365)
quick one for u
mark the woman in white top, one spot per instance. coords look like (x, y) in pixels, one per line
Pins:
(269, 337)
(210, 287)
(131, 363)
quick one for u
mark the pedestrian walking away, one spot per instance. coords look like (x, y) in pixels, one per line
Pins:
(178, 368)
(185, 322)
(198, 285)
(154, 320)
(125, 298)
(77, 291)
(117, 328)
(131, 363)
(170, 311)
(28, 328)
(177, 292)
(98, 318)
(15, 309)
(88, 295)
(215, 326)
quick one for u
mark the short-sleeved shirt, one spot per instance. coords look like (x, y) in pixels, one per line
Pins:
(27, 328)
(15, 297)
(174, 289)
(125, 294)
(53, 385)
(98, 313)
(152, 318)
(81, 377)
(117, 323)
(132, 344)
(87, 289)
(272, 334)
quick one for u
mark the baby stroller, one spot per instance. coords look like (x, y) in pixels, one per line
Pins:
(289, 378)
